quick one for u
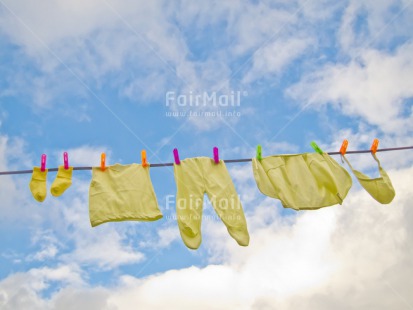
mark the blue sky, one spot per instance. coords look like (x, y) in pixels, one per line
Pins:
(92, 77)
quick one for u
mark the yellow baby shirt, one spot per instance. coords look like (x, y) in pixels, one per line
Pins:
(122, 193)
(302, 181)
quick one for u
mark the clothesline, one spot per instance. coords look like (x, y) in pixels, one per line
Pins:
(225, 160)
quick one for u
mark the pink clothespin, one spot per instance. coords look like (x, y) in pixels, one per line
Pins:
(43, 163)
(66, 160)
(176, 156)
(216, 156)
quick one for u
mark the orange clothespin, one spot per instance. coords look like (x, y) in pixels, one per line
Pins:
(374, 146)
(144, 161)
(343, 148)
(102, 161)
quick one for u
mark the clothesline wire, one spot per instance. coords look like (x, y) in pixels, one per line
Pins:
(242, 160)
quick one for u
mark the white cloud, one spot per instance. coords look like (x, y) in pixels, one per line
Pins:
(292, 261)
(47, 252)
(102, 247)
(64, 220)
(22, 290)
(49, 246)
(84, 155)
(84, 298)
(288, 265)
(13, 153)
(374, 23)
(374, 87)
(13, 189)
(152, 44)
(361, 138)
(271, 60)
(164, 238)
(352, 256)
(109, 37)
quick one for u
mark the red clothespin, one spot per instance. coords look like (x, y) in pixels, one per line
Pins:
(144, 161)
(343, 148)
(176, 156)
(103, 161)
(216, 156)
(66, 160)
(43, 163)
(374, 146)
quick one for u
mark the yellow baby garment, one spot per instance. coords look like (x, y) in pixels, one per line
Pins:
(381, 189)
(196, 176)
(302, 181)
(122, 193)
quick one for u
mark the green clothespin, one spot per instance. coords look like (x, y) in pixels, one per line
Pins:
(316, 147)
(259, 156)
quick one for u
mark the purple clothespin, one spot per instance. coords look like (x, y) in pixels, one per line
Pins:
(216, 156)
(176, 156)
(43, 163)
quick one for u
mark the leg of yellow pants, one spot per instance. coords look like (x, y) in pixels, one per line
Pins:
(225, 200)
(189, 201)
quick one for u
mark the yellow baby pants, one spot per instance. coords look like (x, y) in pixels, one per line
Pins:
(194, 177)
(122, 193)
(302, 181)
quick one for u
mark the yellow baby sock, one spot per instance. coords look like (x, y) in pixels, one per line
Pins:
(62, 182)
(38, 184)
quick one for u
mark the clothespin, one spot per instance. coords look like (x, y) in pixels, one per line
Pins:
(374, 146)
(343, 148)
(259, 155)
(216, 156)
(143, 156)
(103, 161)
(316, 148)
(176, 156)
(43, 163)
(66, 160)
